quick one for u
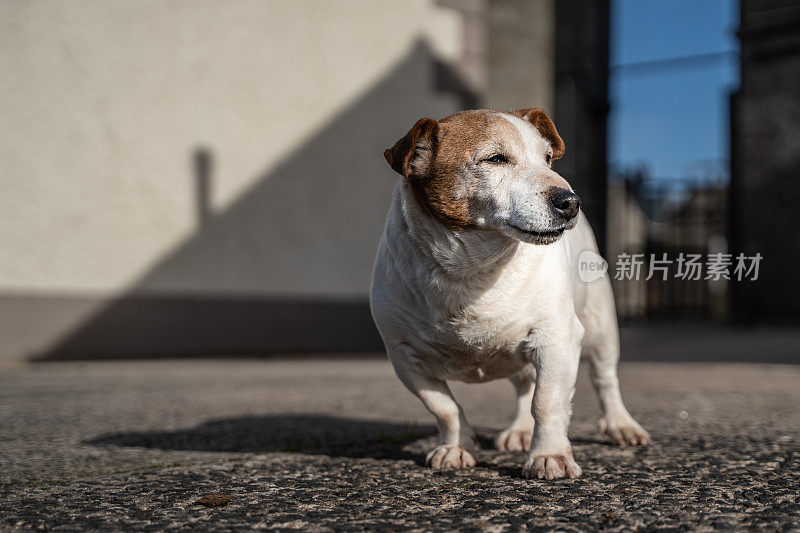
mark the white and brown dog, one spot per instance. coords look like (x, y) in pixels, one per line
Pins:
(476, 279)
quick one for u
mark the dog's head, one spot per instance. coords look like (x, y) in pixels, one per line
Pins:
(489, 170)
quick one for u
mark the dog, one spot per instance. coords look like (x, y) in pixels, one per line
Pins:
(476, 279)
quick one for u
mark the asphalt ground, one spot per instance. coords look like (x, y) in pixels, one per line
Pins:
(340, 445)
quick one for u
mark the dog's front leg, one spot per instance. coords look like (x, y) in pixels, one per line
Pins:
(551, 453)
(457, 440)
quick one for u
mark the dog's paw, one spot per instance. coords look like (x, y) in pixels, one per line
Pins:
(449, 457)
(551, 467)
(624, 432)
(514, 440)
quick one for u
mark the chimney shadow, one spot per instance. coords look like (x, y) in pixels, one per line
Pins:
(300, 242)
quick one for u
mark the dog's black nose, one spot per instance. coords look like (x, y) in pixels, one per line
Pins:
(565, 203)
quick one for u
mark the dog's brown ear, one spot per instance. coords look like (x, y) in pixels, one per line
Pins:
(412, 156)
(540, 121)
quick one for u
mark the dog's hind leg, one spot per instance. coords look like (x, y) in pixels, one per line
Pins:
(518, 436)
(457, 440)
(601, 347)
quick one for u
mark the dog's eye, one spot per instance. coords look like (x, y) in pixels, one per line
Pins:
(548, 158)
(496, 159)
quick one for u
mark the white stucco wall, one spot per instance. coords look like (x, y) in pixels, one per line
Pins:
(103, 103)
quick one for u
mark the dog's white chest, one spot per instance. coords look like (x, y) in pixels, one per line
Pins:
(488, 337)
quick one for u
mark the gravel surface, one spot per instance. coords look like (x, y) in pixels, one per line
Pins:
(340, 445)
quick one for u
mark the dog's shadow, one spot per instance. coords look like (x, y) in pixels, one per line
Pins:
(308, 434)
(312, 434)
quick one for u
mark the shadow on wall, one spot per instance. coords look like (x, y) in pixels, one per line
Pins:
(311, 222)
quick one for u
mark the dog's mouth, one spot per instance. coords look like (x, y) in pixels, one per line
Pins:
(539, 237)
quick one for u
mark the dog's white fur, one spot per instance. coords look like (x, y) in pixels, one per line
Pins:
(483, 304)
